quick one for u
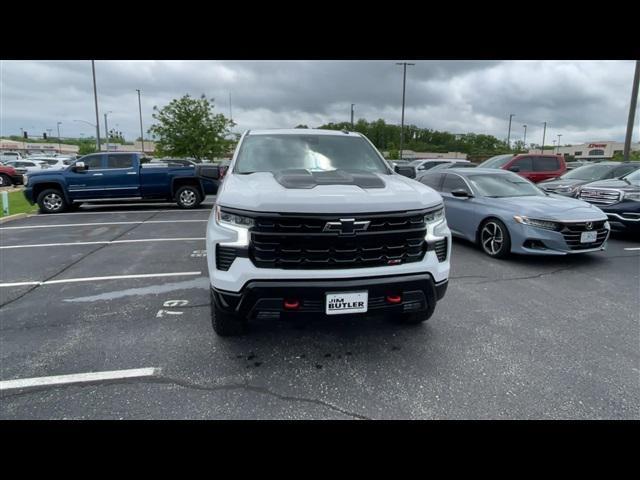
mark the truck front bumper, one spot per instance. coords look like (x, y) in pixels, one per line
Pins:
(266, 298)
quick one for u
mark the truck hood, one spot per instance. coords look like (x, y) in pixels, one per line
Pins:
(560, 183)
(553, 207)
(262, 192)
(614, 183)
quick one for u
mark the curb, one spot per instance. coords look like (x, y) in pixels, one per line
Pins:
(17, 216)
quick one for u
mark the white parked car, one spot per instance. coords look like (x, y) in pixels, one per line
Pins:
(9, 156)
(30, 166)
(55, 163)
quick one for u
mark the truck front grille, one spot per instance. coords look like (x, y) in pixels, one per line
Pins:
(572, 232)
(600, 196)
(301, 242)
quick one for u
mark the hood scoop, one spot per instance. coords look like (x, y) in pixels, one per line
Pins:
(300, 178)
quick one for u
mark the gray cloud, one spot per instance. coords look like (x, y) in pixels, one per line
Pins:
(582, 100)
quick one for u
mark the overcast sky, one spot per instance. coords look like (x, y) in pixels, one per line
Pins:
(582, 100)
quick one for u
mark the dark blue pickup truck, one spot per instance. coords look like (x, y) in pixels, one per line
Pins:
(116, 177)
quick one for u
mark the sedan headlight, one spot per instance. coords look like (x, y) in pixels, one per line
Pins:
(533, 222)
(238, 223)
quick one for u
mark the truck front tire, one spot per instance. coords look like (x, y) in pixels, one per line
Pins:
(51, 201)
(5, 181)
(188, 197)
(226, 324)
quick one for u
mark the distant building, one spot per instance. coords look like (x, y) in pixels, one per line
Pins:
(149, 147)
(29, 148)
(602, 150)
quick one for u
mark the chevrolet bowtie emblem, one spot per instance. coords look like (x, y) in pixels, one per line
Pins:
(346, 226)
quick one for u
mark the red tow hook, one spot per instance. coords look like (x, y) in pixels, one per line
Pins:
(394, 298)
(291, 304)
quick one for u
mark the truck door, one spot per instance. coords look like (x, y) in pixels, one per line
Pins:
(88, 183)
(120, 176)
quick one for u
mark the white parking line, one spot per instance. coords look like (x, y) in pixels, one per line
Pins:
(77, 378)
(97, 279)
(115, 212)
(104, 242)
(633, 248)
(100, 223)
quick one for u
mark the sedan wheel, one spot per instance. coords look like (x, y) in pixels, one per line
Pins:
(494, 239)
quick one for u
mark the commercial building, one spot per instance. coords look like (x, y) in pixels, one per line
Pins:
(149, 147)
(411, 155)
(601, 150)
(34, 148)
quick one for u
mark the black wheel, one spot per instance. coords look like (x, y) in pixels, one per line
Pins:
(495, 240)
(226, 324)
(51, 201)
(188, 197)
(5, 181)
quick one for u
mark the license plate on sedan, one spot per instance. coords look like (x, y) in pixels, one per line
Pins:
(588, 237)
(347, 302)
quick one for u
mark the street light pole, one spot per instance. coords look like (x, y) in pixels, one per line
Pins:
(140, 110)
(559, 135)
(404, 86)
(352, 105)
(106, 129)
(544, 132)
(509, 134)
(59, 146)
(525, 137)
(632, 112)
(95, 98)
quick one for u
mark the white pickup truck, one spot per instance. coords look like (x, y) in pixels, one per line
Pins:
(318, 223)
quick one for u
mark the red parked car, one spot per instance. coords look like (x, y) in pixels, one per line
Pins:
(533, 167)
(9, 176)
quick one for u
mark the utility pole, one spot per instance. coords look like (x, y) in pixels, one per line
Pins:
(509, 134)
(404, 85)
(140, 110)
(59, 146)
(559, 135)
(632, 112)
(525, 137)
(352, 105)
(95, 98)
(230, 110)
(544, 132)
(106, 129)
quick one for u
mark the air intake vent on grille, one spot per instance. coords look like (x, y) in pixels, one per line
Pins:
(224, 257)
(441, 250)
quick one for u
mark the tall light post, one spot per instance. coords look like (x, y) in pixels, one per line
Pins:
(352, 105)
(106, 129)
(95, 99)
(632, 112)
(404, 86)
(544, 132)
(140, 110)
(511, 115)
(525, 137)
(559, 135)
(59, 146)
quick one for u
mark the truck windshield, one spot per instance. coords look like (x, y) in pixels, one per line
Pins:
(496, 162)
(315, 153)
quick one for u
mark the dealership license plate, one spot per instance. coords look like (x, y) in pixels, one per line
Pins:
(346, 302)
(588, 237)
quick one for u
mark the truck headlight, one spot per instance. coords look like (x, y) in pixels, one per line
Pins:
(238, 223)
(633, 196)
(533, 222)
(25, 179)
(434, 217)
(437, 227)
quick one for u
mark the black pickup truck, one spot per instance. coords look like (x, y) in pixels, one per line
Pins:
(117, 177)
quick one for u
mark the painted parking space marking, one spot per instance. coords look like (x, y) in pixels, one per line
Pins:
(97, 279)
(106, 242)
(172, 304)
(117, 212)
(24, 227)
(633, 248)
(20, 383)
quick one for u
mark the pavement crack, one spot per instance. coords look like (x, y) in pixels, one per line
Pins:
(528, 277)
(67, 267)
(192, 386)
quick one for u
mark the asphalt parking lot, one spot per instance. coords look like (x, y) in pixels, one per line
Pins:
(527, 337)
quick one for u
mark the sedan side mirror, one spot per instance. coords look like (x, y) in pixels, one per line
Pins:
(211, 172)
(461, 193)
(514, 169)
(405, 171)
(80, 167)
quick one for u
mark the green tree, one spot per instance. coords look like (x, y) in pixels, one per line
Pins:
(302, 126)
(188, 127)
(86, 148)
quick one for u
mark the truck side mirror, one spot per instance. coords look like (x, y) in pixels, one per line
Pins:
(405, 171)
(80, 167)
(211, 172)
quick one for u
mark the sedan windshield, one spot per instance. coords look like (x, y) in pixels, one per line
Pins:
(589, 172)
(496, 162)
(315, 153)
(499, 186)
